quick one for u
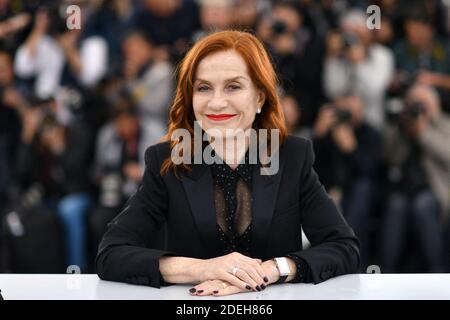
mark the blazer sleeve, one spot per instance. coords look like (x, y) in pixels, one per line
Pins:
(334, 247)
(125, 253)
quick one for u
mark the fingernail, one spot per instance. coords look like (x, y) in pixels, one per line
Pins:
(263, 286)
(248, 287)
(215, 292)
(199, 291)
(192, 290)
(258, 288)
(266, 279)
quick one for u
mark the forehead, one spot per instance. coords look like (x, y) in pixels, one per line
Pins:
(224, 64)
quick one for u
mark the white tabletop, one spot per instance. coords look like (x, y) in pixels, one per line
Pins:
(357, 286)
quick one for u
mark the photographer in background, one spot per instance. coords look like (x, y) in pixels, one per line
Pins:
(355, 64)
(346, 148)
(422, 56)
(56, 157)
(53, 56)
(148, 81)
(417, 155)
(298, 55)
(169, 24)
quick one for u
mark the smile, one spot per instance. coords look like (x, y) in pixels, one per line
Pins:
(220, 117)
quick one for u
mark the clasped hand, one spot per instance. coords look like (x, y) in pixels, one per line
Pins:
(234, 273)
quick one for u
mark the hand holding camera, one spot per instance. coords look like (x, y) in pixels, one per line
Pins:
(325, 121)
(337, 121)
(414, 118)
(344, 137)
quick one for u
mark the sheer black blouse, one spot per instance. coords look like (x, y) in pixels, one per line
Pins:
(233, 204)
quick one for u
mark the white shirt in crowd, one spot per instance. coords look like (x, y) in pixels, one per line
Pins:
(47, 64)
(368, 79)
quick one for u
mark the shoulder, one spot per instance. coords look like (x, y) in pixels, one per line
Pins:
(296, 150)
(295, 144)
(157, 153)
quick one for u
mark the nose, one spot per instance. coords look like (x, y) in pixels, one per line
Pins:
(217, 101)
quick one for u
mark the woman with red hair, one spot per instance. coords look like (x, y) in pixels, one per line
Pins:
(232, 224)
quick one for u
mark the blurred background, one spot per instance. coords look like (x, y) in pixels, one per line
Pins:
(78, 108)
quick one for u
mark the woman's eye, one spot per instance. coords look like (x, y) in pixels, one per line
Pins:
(234, 87)
(203, 88)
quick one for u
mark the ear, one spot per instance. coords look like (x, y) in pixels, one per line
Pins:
(261, 98)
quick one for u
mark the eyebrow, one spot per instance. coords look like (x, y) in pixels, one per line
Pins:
(226, 80)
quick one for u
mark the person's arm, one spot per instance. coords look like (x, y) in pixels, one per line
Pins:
(334, 247)
(26, 60)
(180, 269)
(14, 24)
(434, 140)
(125, 252)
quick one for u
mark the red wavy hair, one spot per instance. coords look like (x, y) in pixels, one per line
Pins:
(261, 71)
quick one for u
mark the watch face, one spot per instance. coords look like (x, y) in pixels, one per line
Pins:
(283, 266)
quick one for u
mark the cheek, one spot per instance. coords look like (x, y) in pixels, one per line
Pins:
(246, 110)
(247, 116)
(197, 105)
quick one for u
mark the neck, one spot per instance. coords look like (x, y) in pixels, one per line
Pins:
(232, 150)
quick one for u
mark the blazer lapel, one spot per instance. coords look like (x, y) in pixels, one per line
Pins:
(199, 188)
(265, 190)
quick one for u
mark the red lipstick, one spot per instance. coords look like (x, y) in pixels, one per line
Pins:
(220, 117)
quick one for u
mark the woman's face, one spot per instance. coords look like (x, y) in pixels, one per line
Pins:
(224, 95)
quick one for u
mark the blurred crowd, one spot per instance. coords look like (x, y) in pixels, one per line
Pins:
(78, 108)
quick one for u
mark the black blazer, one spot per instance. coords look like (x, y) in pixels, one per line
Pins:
(282, 204)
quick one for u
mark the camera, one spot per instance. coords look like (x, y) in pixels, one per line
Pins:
(406, 80)
(278, 27)
(409, 110)
(343, 116)
(414, 110)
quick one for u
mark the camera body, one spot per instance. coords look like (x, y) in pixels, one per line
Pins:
(414, 110)
(396, 108)
(278, 27)
(342, 115)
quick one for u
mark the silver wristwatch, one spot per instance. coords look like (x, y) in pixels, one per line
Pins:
(283, 268)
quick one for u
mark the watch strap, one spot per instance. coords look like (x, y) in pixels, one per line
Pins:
(281, 279)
